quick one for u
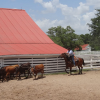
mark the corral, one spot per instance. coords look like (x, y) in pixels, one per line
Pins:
(52, 63)
(54, 87)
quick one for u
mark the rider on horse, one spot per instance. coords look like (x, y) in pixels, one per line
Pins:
(71, 54)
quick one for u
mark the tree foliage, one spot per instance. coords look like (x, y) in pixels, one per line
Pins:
(95, 31)
(86, 38)
(65, 37)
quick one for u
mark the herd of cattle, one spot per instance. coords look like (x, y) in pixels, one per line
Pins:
(7, 71)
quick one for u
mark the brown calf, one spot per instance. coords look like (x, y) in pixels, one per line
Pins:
(37, 69)
(10, 70)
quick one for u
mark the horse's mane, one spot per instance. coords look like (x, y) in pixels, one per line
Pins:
(63, 53)
(66, 56)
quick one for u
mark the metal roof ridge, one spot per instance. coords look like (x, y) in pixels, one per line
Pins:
(27, 43)
(11, 9)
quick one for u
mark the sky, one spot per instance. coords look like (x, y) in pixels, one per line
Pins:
(53, 13)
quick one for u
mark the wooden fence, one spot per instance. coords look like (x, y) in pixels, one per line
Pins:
(87, 52)
(52, 63)
(92, 61)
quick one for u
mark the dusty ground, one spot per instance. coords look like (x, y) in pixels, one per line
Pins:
(54, 87)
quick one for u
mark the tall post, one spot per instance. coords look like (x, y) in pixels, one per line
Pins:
(91, 63)
(1, 61)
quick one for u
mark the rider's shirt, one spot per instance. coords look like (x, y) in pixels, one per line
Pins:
(70, 53)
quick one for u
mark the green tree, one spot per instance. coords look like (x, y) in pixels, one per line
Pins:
(65, 37)
(95, 31)
(86, 38)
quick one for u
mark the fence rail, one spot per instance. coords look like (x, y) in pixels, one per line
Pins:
(86, 52)
(52, 63)
(91, 60)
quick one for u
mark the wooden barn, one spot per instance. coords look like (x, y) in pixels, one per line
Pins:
(22, 41)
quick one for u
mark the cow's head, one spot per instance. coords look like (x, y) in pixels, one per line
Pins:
(32, 70)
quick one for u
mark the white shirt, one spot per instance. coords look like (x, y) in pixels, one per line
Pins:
(70, 52)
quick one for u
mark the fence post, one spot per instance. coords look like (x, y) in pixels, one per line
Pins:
(1, 61)
(91, 63)
(18, 61)
(46, 65)
(57, 63)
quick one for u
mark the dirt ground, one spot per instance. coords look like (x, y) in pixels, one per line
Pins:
(54, 87)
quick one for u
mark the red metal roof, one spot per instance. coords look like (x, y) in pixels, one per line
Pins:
(83, 47)
(19, 34)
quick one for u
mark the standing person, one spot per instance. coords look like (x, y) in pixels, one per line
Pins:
(71, 54)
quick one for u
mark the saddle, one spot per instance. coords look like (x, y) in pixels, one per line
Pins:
(75, 59)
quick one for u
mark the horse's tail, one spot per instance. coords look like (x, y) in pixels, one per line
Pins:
(83, 61)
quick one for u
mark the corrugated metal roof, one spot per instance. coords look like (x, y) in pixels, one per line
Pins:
(19, 34)
(83, 47)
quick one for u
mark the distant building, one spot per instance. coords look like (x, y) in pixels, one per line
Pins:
(85, 47)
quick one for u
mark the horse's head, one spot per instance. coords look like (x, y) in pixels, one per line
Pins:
(62, 55)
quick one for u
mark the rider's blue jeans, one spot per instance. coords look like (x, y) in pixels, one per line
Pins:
(73, 59)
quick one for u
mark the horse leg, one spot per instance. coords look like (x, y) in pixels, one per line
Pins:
(79, 69)
(70, 70)
(66, 71)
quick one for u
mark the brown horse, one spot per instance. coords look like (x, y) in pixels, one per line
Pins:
(78, 62)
